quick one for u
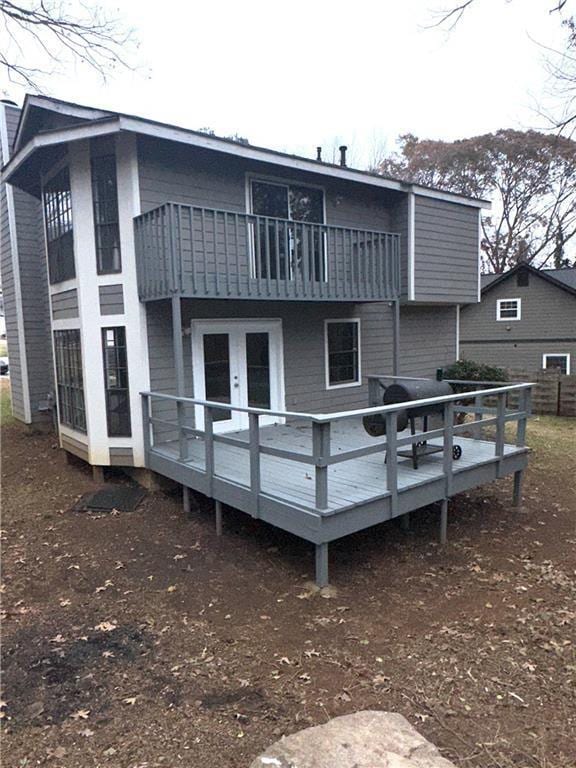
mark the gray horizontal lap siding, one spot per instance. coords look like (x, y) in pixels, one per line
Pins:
(111, 299)
(445, 251)
(121, 457)
(65, 305)
(526, 355)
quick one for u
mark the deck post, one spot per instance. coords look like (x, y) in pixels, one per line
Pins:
(321, 452)
(448, 458)
(218, 515)
(444, 522)
(146, 426)
(477, 431)
(517, 491)
(396, 338)
(524, 406)
(322, 564)
(392, 460)
(186, 500)
(254, 436)
(179, 371)
(209, 449)
(405, 521)
(500, 427)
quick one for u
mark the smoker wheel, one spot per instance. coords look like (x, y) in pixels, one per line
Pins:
(456, 452)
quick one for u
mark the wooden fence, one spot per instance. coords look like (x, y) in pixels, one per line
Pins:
(553, 393)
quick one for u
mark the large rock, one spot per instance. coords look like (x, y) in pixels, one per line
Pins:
(362, 740)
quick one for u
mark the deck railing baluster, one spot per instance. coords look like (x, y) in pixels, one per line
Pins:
(146, 426)
(500, 423)
(226, 253)
(392, 460)
(182, 438)
(209, 449)
(477, 431)
(254, 434)
(448, 458)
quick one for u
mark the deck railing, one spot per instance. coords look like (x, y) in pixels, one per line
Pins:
(321, 456)
(202, 252)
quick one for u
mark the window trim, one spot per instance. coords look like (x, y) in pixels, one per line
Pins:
(347, 384)
(62, 165)
(499, 317)
(546, 355)
(60, 383)
(107, 389)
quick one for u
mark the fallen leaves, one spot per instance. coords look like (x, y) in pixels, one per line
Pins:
(106, 626)
(80, 714)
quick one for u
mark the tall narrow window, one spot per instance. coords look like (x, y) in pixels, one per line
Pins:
(69, 379)
(116, 382)
(58, 222)
(342, 353)
(106, 229)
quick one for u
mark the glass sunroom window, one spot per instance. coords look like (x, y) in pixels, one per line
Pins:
(116, 382)
(58, 227)
(69, 379)
(106, 225)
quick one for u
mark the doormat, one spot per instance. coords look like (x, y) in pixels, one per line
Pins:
(112, 498)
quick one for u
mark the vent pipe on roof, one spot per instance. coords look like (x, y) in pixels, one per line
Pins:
(319, 154)
(343, 149)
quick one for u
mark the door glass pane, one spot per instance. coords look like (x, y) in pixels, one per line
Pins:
(269, 200)
(217, 371)
(307, 204)
(258, 370)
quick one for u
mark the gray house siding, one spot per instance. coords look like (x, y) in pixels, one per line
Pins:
(29, 237)
(65, 304)
(111, 299)
(547, 325)
(445, 251)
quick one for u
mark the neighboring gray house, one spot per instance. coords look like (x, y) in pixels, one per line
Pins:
(154, 275)
(526, 320)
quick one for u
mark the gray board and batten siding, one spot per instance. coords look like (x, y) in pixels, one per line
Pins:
(547, 325)
(111, 299)
(28, 336)
(65, 305)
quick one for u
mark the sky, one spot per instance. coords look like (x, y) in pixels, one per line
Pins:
(296, 75)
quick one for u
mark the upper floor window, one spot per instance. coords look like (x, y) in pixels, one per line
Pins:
(69, 379)
(508, 309)
(116, 381)
(342, 353)
(289, 239)
(105, 201)
(58, 224)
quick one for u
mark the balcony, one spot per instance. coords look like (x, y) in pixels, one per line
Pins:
(197, 252)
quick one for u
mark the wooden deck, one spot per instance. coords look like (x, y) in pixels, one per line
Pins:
(322, 477)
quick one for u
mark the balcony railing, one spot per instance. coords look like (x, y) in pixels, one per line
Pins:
(201, 252)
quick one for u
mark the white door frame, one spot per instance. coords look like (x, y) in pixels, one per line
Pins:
(237, 328)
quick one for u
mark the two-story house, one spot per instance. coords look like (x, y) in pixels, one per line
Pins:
(526, 320)
(139, 257)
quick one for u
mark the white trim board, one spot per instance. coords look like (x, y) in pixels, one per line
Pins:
(499, 303)
(566, 355)
(348, 384)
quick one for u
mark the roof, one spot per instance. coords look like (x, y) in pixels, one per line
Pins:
(90, 121)
(562, 278)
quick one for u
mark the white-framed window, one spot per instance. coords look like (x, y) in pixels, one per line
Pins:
(557, 360)
(508, 309)
(342, 353)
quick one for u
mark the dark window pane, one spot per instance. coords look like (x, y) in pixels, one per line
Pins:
(105, 202)
(258, 370)
(58, 227)
(69, 380)
(343, 353)
(307, 204)
(269, 200)
(557, 362)
(116, 382)
(217, 371)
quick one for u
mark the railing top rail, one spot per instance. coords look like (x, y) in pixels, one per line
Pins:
(250, 215)
(323, 418)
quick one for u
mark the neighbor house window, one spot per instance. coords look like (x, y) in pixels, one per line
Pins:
(58, 224)
(508, 309)
(290, 242)
(342, 339)
(69, 380)
(105, 201)
(559, 362)
(116, 382)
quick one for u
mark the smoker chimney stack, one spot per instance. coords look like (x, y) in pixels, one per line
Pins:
(319, 154)
(343, 149)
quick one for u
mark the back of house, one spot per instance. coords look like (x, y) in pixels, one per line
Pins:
(141, 256)
(526, 321)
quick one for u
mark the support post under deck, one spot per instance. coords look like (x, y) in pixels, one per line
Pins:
(186, 500)
(517, 492)
(444, 522)
(218, 514)
(322, 564)
(405, 521)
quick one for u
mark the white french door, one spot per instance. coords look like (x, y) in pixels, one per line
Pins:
(238, 362)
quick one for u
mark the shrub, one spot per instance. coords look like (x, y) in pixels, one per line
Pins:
(468, 370)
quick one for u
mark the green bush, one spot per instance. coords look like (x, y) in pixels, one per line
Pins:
(468, 370)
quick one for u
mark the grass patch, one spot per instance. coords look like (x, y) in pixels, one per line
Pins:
(5, 404)
(3, 348)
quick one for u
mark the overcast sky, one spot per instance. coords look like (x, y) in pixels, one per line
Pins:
(297, 74)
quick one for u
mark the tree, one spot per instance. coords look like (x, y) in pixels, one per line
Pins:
(47, 32)
(561, 65)
(530, 177)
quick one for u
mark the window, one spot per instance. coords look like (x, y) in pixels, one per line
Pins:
(342, 339)
(294, 242)
(116, 382)
(105, 201)
(69, 379)
(508, 309)
(58, 223)
(559, 362)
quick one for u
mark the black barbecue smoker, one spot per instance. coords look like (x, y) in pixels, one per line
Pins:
(406, 391)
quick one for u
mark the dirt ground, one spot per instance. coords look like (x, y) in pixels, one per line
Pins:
(140, 639)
